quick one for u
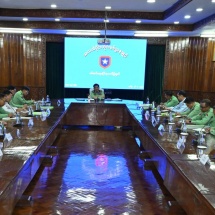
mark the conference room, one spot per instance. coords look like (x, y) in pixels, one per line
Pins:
(71, 153)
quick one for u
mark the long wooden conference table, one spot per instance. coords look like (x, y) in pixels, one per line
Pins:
(190, 182)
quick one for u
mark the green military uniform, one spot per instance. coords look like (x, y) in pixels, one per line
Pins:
(14, 105)
(194, 111)
(3, 113)
(172, 102)
(203, 117)
(212, 125)
(19, 99)
(100, 94)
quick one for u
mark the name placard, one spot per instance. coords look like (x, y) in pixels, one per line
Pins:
(8, 137)
(204, 159)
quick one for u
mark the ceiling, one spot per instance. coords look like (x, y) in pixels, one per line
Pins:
(90, 15)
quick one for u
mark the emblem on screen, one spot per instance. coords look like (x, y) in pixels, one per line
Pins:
(105, 61)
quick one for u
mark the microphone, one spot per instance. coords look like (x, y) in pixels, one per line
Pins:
(156, 97)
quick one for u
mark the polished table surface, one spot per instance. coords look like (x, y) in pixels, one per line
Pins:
(190, 182)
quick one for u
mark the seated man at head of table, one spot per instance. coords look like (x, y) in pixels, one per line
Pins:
(194, 108)
(172, 101)
(2, 112)
(181, 107)
(205, 116)
(18, 98)
(7, 107)
(211, 129)
(96, 93)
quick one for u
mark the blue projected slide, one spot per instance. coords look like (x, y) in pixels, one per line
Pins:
(120, 65)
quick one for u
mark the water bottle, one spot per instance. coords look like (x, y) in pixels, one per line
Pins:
(201, 139)
(158, 110)
(153, 105)
(48, 112)
(170, 117)
(184, 126)
(1, 130)
(147, 100)
(30, 123)
(18, 118)
(38, 106)
(47, 99)
(43, 113)
(30, 111)
(18, 134)
(43, 102)
(58, 103)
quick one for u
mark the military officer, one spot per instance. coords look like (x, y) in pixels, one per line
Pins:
(181, 107)
(96, 93)
(194, 108)
(2, 112)
(205, 116)
(211, 129)
(172, 101)
(18, 99)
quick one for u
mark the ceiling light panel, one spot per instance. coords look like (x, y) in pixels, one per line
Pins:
(107, 7)
(53, 6)
(187, 17)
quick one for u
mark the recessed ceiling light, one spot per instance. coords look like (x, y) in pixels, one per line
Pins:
(138, 21)
(107, 7)
(187, 17)
(151, 34)
(53, 5)
(16, 30)
(150, 1)
(57, 19)
(199, 9)
(213, 1)
(83, 32)
(25, 19)
(176, 22)
(207, 35)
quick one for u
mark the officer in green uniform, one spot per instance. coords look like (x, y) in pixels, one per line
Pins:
(194, 108)
(3, 113)
(172, 101)
(19, 100)
(205, 116)
(211, 129)
(96, 93)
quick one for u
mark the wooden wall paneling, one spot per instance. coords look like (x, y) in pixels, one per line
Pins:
(189, 66)
(22, 62)
(184, 76)
(175, 72)
(200, 46)
(4, 60)
(209, 77)
(33, 63)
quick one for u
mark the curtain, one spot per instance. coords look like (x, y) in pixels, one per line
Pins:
(55, 70)
(155, 59)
